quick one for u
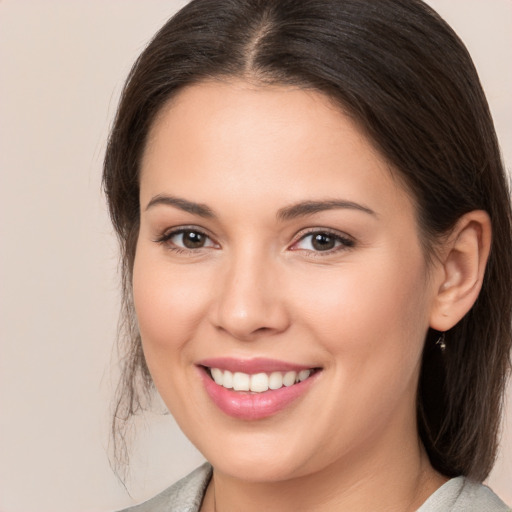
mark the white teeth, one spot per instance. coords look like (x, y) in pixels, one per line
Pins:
(258, 382)
(289, 378)
(275, 380)
(303, 375)
(217, 376)
(241, 381)
(227, 381)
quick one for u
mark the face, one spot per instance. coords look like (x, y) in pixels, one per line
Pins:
(279, 282)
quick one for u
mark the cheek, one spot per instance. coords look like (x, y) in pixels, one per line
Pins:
(370, 318)
(370, 324)
(169, 304)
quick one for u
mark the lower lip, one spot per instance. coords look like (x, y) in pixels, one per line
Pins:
(254, 406)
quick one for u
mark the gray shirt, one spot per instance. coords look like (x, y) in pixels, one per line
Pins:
(457, 495)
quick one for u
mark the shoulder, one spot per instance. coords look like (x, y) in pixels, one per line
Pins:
(185, 495)
(462, 495)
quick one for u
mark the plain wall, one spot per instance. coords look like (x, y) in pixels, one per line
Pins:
(62, 65)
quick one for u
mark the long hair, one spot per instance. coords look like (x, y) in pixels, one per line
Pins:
(406, 78)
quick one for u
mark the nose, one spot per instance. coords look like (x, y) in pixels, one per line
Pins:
(249, 301)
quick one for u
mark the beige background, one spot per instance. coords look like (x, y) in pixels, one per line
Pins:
(62, 65)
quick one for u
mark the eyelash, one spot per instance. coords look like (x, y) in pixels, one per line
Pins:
(344, 241)
(165, 238)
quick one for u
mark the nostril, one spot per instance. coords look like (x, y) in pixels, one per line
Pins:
(250, 319)
(247, 334)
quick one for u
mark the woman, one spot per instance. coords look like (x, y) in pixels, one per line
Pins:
(315, 229)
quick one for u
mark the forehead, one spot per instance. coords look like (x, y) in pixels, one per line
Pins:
(224, 140)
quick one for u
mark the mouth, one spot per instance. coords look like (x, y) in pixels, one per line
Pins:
(260, 382)
(255, 389)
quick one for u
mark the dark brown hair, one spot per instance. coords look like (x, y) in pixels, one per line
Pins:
(401, 72)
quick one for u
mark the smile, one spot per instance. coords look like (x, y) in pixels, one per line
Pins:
(255, 389)
(259, 382)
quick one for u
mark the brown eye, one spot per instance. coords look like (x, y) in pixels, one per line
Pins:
(323, 241)
(186, 239)
(193, 239)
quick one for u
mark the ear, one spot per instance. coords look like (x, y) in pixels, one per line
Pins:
(459, 276)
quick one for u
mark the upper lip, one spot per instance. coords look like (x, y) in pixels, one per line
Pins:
(253, 365)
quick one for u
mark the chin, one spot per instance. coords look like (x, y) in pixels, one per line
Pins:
(257, 457)
(258, 469)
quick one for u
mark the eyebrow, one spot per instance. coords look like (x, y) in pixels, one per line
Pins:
(188, 206)
(305, 208)
(301, 209)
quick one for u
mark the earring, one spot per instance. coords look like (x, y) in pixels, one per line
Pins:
(441, 342)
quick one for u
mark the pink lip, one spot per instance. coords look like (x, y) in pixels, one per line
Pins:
(252, 366)
(248, 406)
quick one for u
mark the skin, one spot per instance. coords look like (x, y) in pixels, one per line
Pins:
(258, 288)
